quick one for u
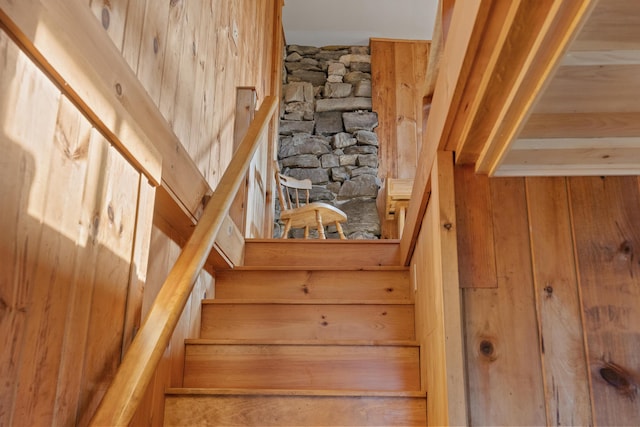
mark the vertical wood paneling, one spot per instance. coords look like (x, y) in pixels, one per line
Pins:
(20, 170)
(112, 14)
(476, 248)
(132, 43)
(153, 47)
(558, 304)
(383, 78)
(398, 79)
(605, 219)
(438, 308)
(503, 357)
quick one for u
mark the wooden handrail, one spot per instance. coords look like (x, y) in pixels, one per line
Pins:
(139, 364)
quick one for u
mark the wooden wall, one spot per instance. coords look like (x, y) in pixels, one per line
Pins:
(83, 254)
(185, 55)
(551, 295)
(74, 216)
(398, 80)
(438, 305)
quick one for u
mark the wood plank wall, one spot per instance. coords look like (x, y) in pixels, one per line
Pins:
(434, 268)
(78, 219)
(70, 208)
(398, 80)
(186, 57)
(553, 329)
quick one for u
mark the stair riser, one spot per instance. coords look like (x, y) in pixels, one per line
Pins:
(386, 368)
(354, 254)
(294, 411)
(314, 284)
(307, 322)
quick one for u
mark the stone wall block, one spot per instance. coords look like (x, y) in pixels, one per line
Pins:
(362, 88)
(337, 69)
(303, 50)
(365, 67)
(365, 170)
(348, 160)
(343, 140)
(361, 120)
(314, 147)
(294, 92)
(330, 55)
(363, 217)
(293, 57)
(347, 60)
(301, 161)
(361, 186)
(361, 149)
(337, 90)
(370, 160)
(289, 127)
(329, 122)
(297, 66)
(340, 174)
(317, 176)
(316, 78)
(330, 161)
(366, 137)
(343, 104)
(356, 76)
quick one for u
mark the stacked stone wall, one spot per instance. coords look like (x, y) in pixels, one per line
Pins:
(326, 132)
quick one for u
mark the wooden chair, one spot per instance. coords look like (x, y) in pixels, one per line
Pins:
(297, 214)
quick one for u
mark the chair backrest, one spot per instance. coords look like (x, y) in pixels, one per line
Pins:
(290, 189)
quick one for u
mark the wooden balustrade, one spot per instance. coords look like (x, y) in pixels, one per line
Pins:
(139, 364)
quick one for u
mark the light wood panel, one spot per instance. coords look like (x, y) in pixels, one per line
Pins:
(399, 82)
(605, 218)
(558, 305)
(305, 367)
(438, 303)
(503, 354)
(261, 408)
(320, 321)
(70, 213)
(476, 249)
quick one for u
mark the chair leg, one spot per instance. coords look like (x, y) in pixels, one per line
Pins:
(287, 227)
(320, 225)
(306, 232)
(340, 232)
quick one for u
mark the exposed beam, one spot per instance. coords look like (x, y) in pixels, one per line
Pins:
(522, 41)
(535, 55)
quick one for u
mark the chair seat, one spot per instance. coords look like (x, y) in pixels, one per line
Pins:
(305, 216)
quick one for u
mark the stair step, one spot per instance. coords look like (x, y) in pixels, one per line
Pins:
(342, 321)
(293, 408)
(305, 367)
(349, 254)
(372, 284)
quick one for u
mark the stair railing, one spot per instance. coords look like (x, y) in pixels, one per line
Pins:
(141, 359)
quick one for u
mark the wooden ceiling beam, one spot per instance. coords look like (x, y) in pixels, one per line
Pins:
(521, 45)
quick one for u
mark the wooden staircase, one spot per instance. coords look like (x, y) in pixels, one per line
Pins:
(289, 341)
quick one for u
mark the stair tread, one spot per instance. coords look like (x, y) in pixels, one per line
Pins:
(222, 301)
(190, 391)
(320, 267)
(362, 343)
